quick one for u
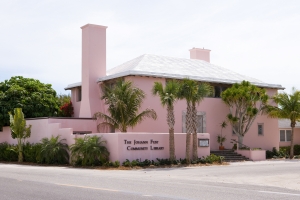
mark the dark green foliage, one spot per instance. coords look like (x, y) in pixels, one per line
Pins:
(282, 153)
(54, 151)
(35, 98)
(32, 152)
(234, 147)
(126, 163)
(286, 149)
(163, 162)
(297, 149)
(89, 150)
(8, 152)
(212, 158)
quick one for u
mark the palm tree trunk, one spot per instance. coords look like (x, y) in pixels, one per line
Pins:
(292, 140)
(188, 132)
(20, 150)
(194, 127)
(171, 122)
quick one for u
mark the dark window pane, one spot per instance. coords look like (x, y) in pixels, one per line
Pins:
(282, 135)
(79, 94)
(260, 129)
(217, 92)
(288, 135)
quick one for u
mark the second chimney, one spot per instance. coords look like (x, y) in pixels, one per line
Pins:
(200, 54)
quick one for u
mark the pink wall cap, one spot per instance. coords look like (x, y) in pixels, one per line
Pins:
(199, 49)
(94, 25)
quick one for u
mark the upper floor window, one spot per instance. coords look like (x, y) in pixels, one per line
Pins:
(260, 129)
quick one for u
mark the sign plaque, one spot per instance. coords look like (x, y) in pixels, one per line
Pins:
(203, 142)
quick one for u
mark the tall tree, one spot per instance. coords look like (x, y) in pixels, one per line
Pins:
(168, 96)
(35, 98)
(19, 130)
(288, 108)
(245, 102)
(193, 92)
(124, 101)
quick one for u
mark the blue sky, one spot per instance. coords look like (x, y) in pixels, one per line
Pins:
(42, 39)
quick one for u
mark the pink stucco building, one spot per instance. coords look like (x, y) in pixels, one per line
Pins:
(143, 71)
(146, 69)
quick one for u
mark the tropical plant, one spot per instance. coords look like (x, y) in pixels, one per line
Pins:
(8, 152)
(221, 138)
(168, 95)
(89, 150)
(35, 98)
(193, 92)
(124, 101)
(54, 151)
(19, 130)
(288, 108)
(245, 102)
(32, 152)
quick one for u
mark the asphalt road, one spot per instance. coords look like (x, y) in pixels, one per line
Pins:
(248, 180)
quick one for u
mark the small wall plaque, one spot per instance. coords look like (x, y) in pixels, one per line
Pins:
(203, 142)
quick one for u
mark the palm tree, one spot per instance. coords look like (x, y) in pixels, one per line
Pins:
(288, 108)
(193, 92)
(19, 130)
(124, 101)
(168, 95)
(89, 150)
(54, 150)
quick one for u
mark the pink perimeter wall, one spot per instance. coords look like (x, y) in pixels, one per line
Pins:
(254, 155)
(121, 146)
(149, 146)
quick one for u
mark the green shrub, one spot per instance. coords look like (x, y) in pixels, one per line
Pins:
(297, 149)
(8, 152)
(89, 150)
(285, 149)
(116, 163)
(32, 152)
(212, 158)
(126, 163)
(54, 151)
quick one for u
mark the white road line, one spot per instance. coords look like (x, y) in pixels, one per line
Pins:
(279, 193)
(94, 188)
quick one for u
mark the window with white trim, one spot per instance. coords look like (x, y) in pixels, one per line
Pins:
(285, 135)
(260, 129)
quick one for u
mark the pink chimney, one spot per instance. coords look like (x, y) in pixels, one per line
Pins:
(93, 67)
(200, 54)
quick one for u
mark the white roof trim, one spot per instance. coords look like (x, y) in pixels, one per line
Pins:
(178, 76)
(73, 85)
